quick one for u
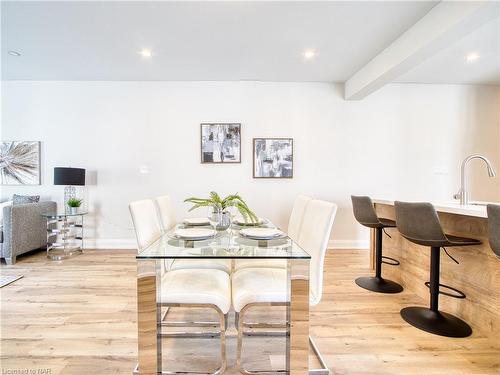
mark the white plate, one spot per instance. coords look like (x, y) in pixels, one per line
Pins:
(262, 233)
(241, 221)
(194, 233)
(196, 221)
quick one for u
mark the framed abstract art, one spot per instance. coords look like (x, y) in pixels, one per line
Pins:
(20, 163)
(221, 143)
(273, 158)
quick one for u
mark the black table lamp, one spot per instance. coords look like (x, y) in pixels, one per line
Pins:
(70, 177)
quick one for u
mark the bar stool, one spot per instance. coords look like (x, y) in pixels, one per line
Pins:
(419, 223)
(494, 227)
(365, 214)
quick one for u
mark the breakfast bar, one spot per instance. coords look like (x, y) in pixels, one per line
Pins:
(477, 275)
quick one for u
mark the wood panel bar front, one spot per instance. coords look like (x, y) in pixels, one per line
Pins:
(372, 246)
(477, 274)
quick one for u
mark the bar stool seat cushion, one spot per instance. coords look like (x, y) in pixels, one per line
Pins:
(217, 264)
(461, 241)
(259, 263)
(197, 286)
(418, 222)
(387, 223)
(447, 241)
(252, 285)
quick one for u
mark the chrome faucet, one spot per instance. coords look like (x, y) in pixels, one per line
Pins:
(463, 193)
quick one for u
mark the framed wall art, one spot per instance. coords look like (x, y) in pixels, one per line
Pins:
(20, 163)
(221, 143)
(273, 158)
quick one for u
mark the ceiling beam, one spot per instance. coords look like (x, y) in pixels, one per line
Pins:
(443, 25)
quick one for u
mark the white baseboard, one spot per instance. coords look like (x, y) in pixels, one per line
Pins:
(109, 243)
(348, 244)
(116, 243)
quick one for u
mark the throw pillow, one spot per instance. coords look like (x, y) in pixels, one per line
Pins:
(23, 199)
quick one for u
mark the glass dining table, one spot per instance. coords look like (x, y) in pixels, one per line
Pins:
(230, 245)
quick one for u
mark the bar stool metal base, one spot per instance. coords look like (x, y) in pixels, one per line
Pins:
(438, 323)
(378, 284)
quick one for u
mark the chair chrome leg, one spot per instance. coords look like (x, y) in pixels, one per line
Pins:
(242, 332)
(324, 370)
(221, 333)
(192, 335)
(239, 340)
(189, 324)
(222, 324)
(264, 325)
(223, 327)
(163, 317)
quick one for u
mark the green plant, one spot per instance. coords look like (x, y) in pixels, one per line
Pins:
(233, 200)
(74, 202)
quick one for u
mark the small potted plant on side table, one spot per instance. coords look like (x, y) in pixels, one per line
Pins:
(73, 205)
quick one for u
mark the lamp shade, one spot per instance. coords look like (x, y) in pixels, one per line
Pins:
(69, 176)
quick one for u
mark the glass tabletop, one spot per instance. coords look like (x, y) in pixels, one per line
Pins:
(63, 214)
(225, 245)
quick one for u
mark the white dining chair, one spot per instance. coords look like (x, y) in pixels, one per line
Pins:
(252, 287)
(294, 225)
(198, 288)
(167, 218)
(166, 212)
(146, 224)
(297, 216)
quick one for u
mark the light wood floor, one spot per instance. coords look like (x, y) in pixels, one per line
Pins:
(79, 317)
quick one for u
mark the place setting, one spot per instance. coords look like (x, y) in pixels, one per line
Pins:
(195, 229)
(262, 237)
(239, 222)
(196, 222)
(193, 233)
(262, 233)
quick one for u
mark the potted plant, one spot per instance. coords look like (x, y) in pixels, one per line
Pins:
(222, 206)
(74, 204)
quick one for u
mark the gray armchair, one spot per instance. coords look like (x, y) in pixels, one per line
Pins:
(24, 229)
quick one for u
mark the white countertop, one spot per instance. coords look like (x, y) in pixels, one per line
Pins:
(476, 210)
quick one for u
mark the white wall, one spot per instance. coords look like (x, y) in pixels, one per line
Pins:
(405, 142)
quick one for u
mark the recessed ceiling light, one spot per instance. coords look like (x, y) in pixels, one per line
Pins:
(146, 53)
(14, 53)
(472, 57)
(309, 54)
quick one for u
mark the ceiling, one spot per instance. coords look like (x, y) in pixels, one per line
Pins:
(221, 41)
(451, 66)
(199, 40)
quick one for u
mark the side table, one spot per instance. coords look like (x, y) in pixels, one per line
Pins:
(64, 234)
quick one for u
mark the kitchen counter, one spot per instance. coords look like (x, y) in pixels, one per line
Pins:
(476, 209)
(477, 274)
